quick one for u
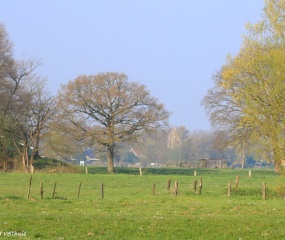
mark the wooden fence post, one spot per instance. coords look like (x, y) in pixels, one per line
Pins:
(200, 186)
(42, 190)
(175, 188)
(79, 187)
(53, 193)
(229, 188)
(86, 170)
(264, 190)
(102, 190)
(237, 180)
(195, 173)
(153, 189)
(29, 189)
(140, 169)
(168, 184)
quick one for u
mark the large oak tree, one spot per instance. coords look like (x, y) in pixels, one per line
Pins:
(107, 108)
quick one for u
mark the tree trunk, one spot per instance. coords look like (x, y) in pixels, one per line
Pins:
(277, 151)
(111, 150)
(243, 159)
(31, 160)
(37, 146)
(277, 157)
(23, 160)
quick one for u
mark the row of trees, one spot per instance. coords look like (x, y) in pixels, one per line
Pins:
(104, 109)
(247, 103)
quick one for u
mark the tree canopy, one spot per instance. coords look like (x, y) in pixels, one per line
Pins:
(107, 108)
(25, 105)
(248, 99)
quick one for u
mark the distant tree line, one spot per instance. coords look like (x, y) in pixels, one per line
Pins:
(104, 110)
(153, 151)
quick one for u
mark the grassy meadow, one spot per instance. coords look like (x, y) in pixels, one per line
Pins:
(131, 210)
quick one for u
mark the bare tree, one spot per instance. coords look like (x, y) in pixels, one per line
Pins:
(108, 109)
(62, 140)
(23, 108)
(42, 112)
(6, 52)
(6, 58)
(226, 114)
(14, 99)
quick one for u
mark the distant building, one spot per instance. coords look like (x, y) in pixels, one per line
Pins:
(91, 161)
(173, 139)
(87, 158)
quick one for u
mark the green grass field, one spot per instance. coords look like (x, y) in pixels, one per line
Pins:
(130, 209)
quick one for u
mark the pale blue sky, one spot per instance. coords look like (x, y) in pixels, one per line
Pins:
(171, 46)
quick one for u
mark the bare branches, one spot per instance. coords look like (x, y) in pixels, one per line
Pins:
(114, 109)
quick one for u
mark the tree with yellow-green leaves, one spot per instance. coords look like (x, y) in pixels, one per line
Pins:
(251, 87)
